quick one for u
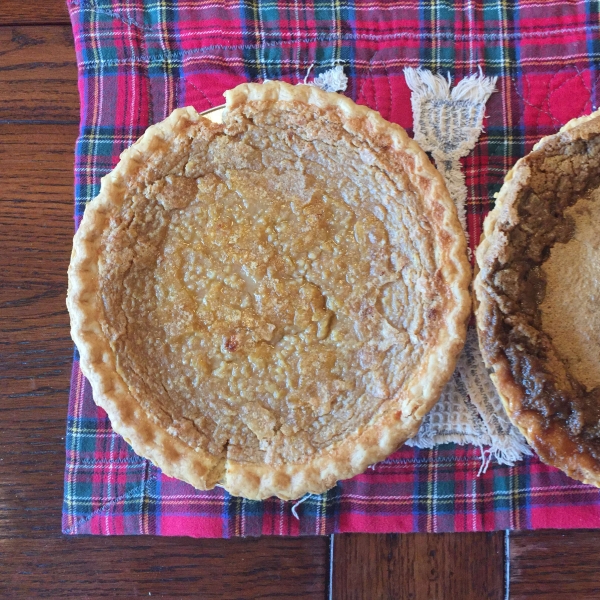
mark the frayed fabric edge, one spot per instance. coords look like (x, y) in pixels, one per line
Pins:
(332, 80)
(425, 84)
(506, 451)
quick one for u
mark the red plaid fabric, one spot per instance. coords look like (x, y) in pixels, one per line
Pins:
(140, 60)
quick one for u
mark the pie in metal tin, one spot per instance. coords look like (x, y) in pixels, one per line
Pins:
(274, 302)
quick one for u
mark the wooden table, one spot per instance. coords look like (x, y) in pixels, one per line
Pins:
(39, 115)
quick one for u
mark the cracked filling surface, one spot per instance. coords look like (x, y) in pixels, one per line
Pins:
(271, 287)
(544, 286)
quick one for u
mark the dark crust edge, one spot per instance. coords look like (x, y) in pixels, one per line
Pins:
(550, 438)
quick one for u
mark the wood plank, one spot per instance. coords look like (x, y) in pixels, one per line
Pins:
(469, 566)
(48, 12)
(95, 567)
(36, 198)
(36, 191)
(545, 565)
(38, 75)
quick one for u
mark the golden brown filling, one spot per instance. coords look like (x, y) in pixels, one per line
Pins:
(570, 312)
(270, 293)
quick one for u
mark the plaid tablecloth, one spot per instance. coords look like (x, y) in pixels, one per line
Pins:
(138, 60)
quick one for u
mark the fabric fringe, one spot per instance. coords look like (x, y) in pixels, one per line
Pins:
(505, 452)
(510, 451)
(332, 80)
(297, 504)
(474, 88)
(424, 84)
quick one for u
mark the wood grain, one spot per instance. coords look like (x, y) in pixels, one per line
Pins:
(418, 566)
(36, 222)
(38, 75)
(545, 565)
(45, 12)
(95, 567)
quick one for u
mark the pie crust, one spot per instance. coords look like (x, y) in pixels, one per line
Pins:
(273, 303)
(536, 296)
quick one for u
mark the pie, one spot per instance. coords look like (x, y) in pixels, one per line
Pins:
(273, 303)
(538, 290)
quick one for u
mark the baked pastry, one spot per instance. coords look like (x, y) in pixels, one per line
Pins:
(538, 289)
(273, 303)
